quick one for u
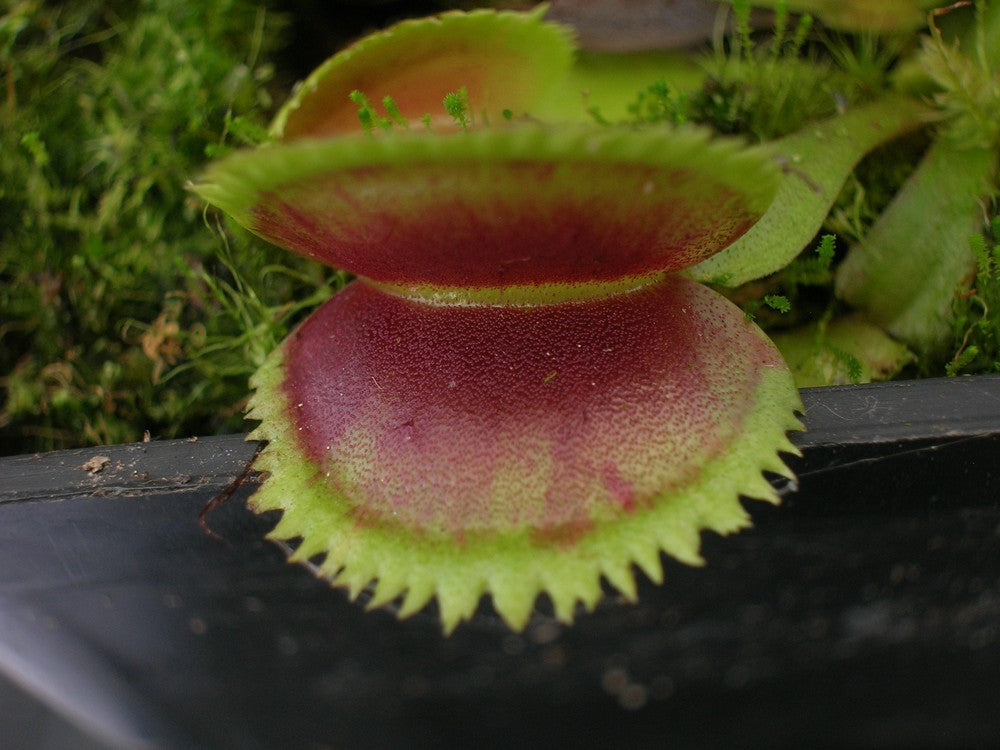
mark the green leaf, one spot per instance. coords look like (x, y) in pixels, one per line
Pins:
(816, 162)
(905, 272)
(961, 360)
(847, 350)
(36, 147)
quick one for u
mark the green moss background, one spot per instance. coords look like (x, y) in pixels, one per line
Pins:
(118, 313)
(126, 308)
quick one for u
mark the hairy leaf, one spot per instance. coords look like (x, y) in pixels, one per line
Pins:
(816, 162)
(906, 271)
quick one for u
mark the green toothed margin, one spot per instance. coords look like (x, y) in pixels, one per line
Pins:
(510, 567)
(546, 48)
(235, 183)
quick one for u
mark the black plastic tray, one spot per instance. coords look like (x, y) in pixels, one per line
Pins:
(865, 611)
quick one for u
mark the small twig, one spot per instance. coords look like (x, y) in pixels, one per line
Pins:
(11, 88)
(226, 494)
(949, 8)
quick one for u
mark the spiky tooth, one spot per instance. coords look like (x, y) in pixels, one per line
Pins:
(457, 598)
(683, 541)
(388, 588)
(776, 464)
(646, 554)
(620, 575)
(419, 591)
(759, 488)
(310, 546)
(354, 578)
(514, 599)
(567, 584)
(725, 515)
(288, 526)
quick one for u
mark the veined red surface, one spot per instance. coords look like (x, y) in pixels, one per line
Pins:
(468, 419)
(476, 224)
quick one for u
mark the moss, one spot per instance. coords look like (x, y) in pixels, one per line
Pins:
(109, 280)
(119, 309)
(769, 86)
(976, 329)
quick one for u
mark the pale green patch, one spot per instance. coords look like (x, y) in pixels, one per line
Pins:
(604, 86)
(881, 16)
(845, 351)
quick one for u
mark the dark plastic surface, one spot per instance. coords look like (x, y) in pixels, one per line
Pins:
(863, 612)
